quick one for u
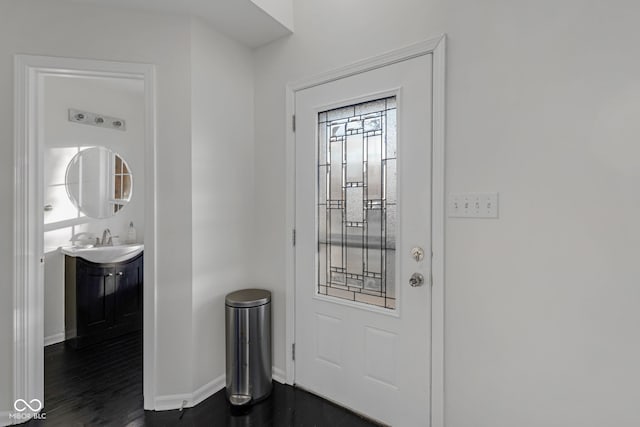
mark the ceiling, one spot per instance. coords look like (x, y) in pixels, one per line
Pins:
(241, 20)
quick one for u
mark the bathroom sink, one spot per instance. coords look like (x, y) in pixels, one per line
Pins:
(104, 254)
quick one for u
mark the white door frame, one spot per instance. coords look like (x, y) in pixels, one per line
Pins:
(435, 47)
(28, 280)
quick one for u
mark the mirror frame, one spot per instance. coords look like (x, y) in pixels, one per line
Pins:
(113, 176)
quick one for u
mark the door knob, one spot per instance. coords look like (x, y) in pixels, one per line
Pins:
(416, 279)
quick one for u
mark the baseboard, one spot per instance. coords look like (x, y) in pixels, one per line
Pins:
(207, 390)
(279, 375)
(174, 401)
(54, 339)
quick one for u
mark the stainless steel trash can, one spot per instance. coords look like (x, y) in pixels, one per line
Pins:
(248, 340)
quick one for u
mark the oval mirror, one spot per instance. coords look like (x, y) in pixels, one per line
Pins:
(99, 182)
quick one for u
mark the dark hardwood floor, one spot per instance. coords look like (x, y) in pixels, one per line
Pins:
(101, 385)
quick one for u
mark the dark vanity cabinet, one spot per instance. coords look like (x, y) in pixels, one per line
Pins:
(102, 300)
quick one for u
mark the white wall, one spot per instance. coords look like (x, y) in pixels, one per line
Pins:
(204, 170)
(73, 29)
(223, 194)
(542, 99)
(62, 139)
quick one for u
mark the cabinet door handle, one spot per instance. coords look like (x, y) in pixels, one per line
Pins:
(120, 273)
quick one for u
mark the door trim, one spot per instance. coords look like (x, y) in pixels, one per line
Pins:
(435, 47)
(28, 281)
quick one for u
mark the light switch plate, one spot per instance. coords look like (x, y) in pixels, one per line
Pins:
(473, 205)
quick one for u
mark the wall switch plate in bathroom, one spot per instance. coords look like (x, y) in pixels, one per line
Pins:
(473, 205)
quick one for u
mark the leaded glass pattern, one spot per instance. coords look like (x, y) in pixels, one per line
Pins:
(357, 202)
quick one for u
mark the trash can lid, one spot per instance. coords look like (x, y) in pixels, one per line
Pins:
(248, 298)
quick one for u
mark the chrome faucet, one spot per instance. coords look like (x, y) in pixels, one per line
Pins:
(104, 241)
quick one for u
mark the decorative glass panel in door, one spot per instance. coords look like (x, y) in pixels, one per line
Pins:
(357, 202)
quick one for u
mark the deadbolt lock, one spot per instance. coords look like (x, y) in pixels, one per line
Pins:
(417, 253)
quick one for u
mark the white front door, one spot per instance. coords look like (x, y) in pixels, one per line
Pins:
(363, 203)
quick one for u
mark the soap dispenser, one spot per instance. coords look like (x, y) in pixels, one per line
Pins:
(131, 234)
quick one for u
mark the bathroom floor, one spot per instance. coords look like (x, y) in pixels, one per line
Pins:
(102, 385)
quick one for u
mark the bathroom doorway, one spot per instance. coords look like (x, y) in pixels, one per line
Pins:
(93, 149)
(85, 181)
